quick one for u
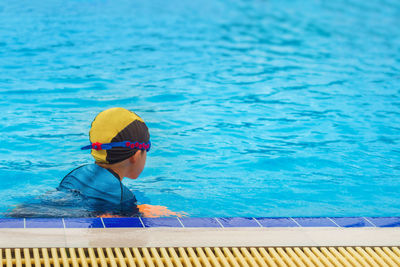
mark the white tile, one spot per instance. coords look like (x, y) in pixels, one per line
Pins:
(32, 237)
(177, 237)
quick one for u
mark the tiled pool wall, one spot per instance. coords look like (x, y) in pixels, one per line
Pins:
(138, 222)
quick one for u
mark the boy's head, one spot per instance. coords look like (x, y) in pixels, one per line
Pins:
(126, 132)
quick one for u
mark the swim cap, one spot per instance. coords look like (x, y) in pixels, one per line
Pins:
(117, 125)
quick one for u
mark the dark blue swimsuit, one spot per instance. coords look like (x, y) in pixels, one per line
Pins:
(101, 189)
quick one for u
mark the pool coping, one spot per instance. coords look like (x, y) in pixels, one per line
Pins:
(199, 237)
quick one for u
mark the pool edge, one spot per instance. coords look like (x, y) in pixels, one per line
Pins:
(199, 237)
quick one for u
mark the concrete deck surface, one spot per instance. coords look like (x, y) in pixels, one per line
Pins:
(198, 237)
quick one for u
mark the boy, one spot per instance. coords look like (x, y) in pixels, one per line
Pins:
(120, 141)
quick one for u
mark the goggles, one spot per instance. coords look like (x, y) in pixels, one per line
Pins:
(128, 144)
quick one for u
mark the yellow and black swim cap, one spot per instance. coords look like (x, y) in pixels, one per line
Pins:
(117, 125)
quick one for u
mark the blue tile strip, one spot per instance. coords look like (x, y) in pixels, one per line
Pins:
(83, 223)
(238, 222)
(315, 222)
(351, 222)
(44, 223)
(11, 223)
(161, 222)
(199, 222)
(385, 221)
(258, 222)
(122, 222)
(277, 222)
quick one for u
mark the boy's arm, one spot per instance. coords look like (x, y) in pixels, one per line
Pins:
(152, 211)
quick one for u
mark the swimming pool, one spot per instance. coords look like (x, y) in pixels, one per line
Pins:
(263, 108)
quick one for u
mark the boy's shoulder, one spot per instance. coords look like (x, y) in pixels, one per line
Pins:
(84, 170)
(89, 176)
(93, 182)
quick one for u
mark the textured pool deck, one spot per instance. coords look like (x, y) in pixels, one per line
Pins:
(199, 232)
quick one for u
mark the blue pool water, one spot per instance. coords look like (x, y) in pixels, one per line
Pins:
(255, 108)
